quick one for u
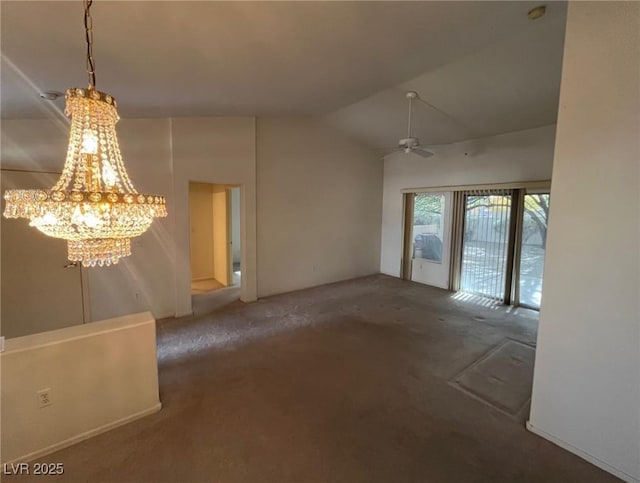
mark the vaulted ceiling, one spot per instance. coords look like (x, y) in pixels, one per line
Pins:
(483, 64)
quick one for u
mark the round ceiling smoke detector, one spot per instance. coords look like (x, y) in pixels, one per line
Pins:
(537, 12)
(51, 95)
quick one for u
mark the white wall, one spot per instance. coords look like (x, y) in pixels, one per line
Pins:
(100, 375)
(586, 392)
(33, 263)
(161, 155)
(34, 144)
(320, 201)
(518, 156)
(319, 204)
(144, 280)
(217, 151)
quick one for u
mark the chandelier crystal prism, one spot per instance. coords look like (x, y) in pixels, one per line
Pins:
(94, 205)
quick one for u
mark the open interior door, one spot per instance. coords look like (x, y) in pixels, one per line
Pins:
(221, 234)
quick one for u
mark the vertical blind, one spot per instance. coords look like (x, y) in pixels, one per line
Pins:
(457, 219)
(485, 242)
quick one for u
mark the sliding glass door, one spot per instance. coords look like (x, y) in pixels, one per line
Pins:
(485, 243)
(429, 239)
(489, 242)
(532, 248)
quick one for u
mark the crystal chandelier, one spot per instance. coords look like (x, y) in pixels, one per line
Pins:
(94, 205)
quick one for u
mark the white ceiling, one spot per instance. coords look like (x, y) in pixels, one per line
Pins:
(510, 85)
(482, 62)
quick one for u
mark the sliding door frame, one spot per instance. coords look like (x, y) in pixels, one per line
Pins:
(530, 186)
(512, 275)
(514, 240)
(518, 261)
(457, 236)
(407, 231)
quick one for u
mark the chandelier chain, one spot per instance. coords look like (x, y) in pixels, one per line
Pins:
(93, 206)
(88, 27)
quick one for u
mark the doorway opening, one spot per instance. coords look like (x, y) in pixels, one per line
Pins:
(215, 256)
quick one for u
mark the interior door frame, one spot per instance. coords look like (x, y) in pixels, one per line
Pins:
(229, 229)
(229, 246)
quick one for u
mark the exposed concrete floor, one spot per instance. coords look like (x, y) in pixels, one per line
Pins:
(348, 382)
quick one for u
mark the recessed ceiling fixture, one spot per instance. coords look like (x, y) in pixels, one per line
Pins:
(94, 205)
(50, 95)
(537, 12)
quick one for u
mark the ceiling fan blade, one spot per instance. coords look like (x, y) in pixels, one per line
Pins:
(422, 152)
(389, 151)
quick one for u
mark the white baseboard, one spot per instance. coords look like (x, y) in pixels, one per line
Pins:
(183, 314)
(585, 456)
(86, 435)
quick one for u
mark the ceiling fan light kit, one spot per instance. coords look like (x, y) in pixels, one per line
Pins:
(94, 205)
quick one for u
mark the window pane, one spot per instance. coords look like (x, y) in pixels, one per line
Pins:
(427, 235)
(485, 245)
(534, 237)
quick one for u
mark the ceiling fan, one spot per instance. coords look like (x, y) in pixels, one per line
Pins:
(412, 144)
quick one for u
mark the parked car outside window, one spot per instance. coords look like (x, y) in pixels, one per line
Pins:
(428, 247)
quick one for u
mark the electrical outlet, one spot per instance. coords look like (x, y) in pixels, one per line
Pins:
(44, 397)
